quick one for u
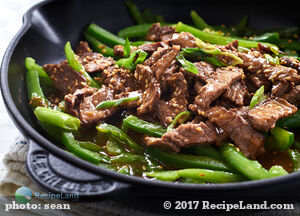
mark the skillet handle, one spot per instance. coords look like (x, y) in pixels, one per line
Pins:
(55, 175)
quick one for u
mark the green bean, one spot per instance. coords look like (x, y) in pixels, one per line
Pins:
(144, 127)
(72, 145)
(134, 31)
(192, 181)
(90, 146)
(258, 96)
(181, 118)
(124, 170)
(98, 46)
(117, 102)
(295, 157)
(139, 43)
(113, 147)
(104, 36)
(279, 139)
(188, 161)
(222, 40)
(270, 37)
(35, 92)
(290, 122)
(210, 176)
(207, 151)
(289, 44)
(249, 168)
(43, 76)
(57, 118)
(136, 57)
(148, 16)
(120, 135)
(134, 12)
(127, 157)
(198, 21)
(77, 66)
(296, 144)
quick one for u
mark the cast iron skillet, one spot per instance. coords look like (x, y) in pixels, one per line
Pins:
(47, 27)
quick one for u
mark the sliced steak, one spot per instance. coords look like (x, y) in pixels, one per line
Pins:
(183, 39)
(167, 110)
(250, 141)
(72, 101)
(160, 66)
(156, 55)
(205, 70)
(159, 33)
(88, 113)
(95, 62)
(237, 92)
(220, 81)
(290, 62)
(83, 47)
(147, 47)
(150, 87)
(184, 136)
(293, 96)
(130, 104)
(119, 79)
(265, 115)
(64, 77)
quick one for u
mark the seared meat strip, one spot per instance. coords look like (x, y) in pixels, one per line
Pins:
(293, 96)
(150, 86)
(159, 33)
(184, 136)
(290, 62)
(83, 47)
(183, 39)
(88, 113)
(95, 62)
(265, 115)
(220, 81)
(72, 101)
(156, 55)
(250, 141)
(167, 110)
(64, 77)
(237, 92)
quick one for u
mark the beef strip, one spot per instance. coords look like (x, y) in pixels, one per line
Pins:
(160, 66)
(130, 104)
(290, 62)
(183, 39)
(184, 136)
(167, 110)
(64, 77)
(265, 115)
(83, 47)
(95, 62)
(159, 33)
(72, 101)
(119, 79)
(150, 87)
(250, 141)
(88, 113)
(237, 92)
(293, 96)
(147, 47)
(219, 82)
(205, 70)
(156, 56)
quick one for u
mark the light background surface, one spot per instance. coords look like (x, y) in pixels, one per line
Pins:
(11, 12)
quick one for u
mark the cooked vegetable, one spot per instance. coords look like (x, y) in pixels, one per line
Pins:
(103, 35)
(144, 127)
(134, 31)
(90, 146)
(290, 122)
(216, 39)
(57, 118)
(211, 176)
(180, 118)
(98, 46)
(274, 60)
(188, 161)
(207, 151)
(280, 139)
(249, 168)
(135, 58)
(120, 135)
(114, 103)
(76, 65)
(187, 65)
(198, 21)
(134, 12)
(127, 48)
(258, 96)
(295, 157)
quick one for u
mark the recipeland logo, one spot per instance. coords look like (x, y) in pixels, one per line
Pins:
(24, 195)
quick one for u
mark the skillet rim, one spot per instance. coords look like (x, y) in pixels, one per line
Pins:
(36, 137)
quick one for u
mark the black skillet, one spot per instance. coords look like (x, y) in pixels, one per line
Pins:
(47, 27)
